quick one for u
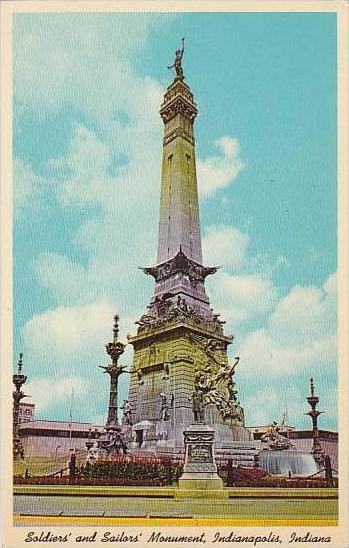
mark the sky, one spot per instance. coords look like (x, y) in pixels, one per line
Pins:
(87, 149)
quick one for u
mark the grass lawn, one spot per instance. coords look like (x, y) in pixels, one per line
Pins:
(40, 466)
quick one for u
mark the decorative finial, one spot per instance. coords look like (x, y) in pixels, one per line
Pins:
(20, 362)
(116, 328)
(312, 388)
(115, 348)
(177, 63)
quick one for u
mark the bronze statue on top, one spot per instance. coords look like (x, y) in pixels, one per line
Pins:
(198, 406)
(275, 439)
(177, 63)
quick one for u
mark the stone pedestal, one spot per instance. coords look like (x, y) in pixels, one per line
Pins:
(200, 478)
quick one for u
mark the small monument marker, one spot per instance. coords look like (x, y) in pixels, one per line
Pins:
(200, 478)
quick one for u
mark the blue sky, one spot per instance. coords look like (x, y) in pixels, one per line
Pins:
(87, 157)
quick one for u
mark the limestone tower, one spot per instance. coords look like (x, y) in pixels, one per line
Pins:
(180, 341)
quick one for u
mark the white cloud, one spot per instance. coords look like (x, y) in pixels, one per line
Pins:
(262, 354)
(27, 187)
(306, 314)
(61, 333)
(300, 334)
(62, 349)
(88, 161)
(46, 393)
(239, 298)
(269, 399)
(298, 341)
(229, 146)
(330, 286)
(79, 59)
(243, 289)
(105, 277)
(218, 171)
(92, 71)
(225, 246)
(65, 279)
(257, 413)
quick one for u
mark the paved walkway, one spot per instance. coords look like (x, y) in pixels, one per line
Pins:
(59, 510)
(170, 491)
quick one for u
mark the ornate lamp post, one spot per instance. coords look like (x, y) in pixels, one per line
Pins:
(314, 413)
(114, 349)
(18, 380)
(112, 441)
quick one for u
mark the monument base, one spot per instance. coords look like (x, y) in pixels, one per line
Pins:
(200, 478)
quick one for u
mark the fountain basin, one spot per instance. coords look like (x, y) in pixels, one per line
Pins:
(281, 462)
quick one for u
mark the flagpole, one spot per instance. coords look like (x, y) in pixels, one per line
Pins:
(71, 417)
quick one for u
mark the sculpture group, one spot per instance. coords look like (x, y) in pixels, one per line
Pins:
(214, 382)
(173, 310)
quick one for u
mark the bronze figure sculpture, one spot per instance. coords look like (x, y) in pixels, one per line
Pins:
(177, 63)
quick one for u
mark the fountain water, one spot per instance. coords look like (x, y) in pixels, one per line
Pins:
(280, 457)
(281, 462)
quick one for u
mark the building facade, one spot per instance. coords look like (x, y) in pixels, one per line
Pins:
(54, 439)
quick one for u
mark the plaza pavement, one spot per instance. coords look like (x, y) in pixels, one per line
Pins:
(159, 507)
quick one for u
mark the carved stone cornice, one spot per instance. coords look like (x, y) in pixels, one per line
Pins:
(178, 132)
(171, 311)
(182, 358)
(180, 263)
(178, 100)
(150, 368)
(178, 87)
(157, 330)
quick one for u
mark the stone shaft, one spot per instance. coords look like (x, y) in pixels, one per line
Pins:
(179, 223)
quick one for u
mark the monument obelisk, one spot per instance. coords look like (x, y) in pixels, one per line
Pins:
(180, 342)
